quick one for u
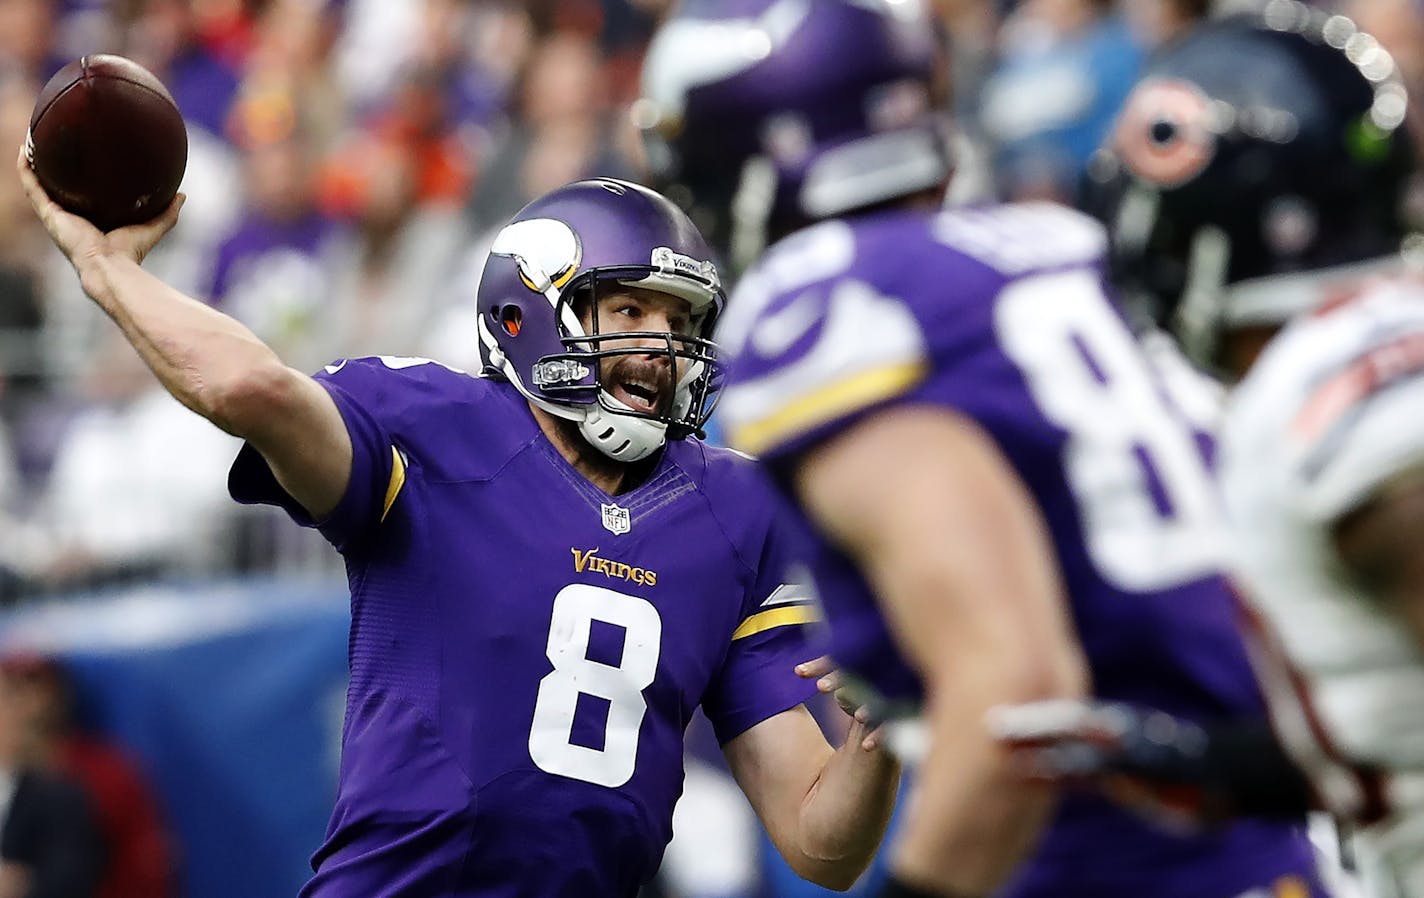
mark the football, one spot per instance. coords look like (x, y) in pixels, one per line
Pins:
(107, 142)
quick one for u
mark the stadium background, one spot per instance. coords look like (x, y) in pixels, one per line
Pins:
(348, 160)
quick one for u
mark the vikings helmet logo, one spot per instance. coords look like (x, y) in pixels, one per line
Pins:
(543, 248)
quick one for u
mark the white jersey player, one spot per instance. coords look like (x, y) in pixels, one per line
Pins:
(1325, 433)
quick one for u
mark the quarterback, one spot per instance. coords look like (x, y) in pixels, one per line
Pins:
(548, 574)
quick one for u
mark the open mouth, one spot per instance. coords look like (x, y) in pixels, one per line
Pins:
(639, 395)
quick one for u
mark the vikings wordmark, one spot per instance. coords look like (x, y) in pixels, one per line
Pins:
(588, 560)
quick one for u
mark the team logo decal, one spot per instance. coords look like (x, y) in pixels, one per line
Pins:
(616, 520)
(1164, 134)
(543, 248)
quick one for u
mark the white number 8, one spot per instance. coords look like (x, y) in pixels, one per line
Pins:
(1088, 375)
(576, 607)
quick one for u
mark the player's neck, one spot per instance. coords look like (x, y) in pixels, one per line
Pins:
(613, 477)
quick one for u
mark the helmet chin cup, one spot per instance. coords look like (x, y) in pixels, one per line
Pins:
(621, 437)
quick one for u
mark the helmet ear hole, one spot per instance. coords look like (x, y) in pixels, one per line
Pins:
(511, 318)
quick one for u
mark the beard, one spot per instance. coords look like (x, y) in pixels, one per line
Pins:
(644, 385)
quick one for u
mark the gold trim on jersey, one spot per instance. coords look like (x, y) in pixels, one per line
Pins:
(827, 403)
(776, 617)
(393, 487)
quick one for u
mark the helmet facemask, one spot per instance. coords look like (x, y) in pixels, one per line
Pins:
(682, 405)
(571, 383)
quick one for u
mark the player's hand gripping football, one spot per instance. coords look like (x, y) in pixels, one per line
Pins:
(1145, 760)
(79, 240)
(830, 681)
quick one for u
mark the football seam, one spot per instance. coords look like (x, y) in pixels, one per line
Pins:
(86, 76)
(55, 99)
(162, 91)
(161, 94)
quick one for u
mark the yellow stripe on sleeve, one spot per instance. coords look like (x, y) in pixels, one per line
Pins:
(776, 617)
(397, 481)
(827, 403)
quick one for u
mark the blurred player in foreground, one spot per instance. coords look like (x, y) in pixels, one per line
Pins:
(1258, 175)
(1011, 505)
(547, 575)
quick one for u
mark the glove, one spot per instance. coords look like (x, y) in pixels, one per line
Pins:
(1148, 761)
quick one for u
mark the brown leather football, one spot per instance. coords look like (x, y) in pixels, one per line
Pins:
(107, 141)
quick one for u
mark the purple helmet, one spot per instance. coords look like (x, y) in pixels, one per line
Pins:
(762, 116)
(563, 246)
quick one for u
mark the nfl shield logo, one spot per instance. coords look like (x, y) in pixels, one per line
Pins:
(616, 520)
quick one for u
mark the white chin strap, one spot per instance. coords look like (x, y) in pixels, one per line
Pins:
(629, 437)
(620, 437)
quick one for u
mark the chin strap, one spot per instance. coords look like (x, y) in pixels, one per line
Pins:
(620, 437)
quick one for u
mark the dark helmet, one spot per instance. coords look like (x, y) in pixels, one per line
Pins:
(563, 246)
(761, 116)
(1254, 148)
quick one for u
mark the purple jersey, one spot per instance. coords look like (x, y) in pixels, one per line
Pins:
(1001, 314)
(527, 650)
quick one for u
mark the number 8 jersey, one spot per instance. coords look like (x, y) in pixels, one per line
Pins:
(526, 651)
(1001, 315)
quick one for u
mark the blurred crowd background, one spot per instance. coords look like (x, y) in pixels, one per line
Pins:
(348, 160)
